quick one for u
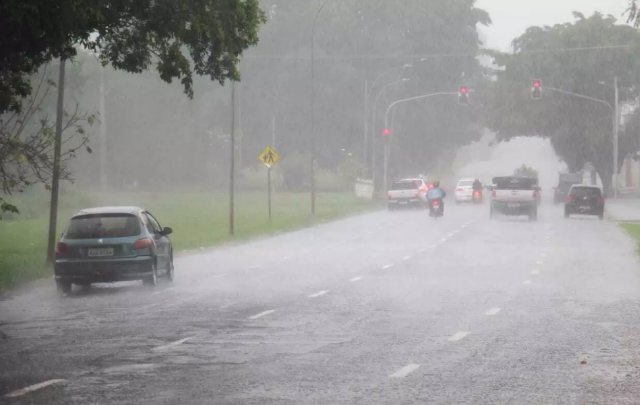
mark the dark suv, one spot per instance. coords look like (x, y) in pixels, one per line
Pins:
(584, 200)
(561, 192)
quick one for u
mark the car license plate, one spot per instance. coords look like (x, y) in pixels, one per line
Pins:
(102, 252)
(584, 207)
(403, 203)
(513, 205)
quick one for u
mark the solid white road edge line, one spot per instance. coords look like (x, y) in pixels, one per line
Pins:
(458, 336)
(31, 388)
(493, 311)
(405, 371)
(176, 343)
(261, 314)
(319, 293)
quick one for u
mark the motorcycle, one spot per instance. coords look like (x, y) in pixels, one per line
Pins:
(435, 209)
(477, 197)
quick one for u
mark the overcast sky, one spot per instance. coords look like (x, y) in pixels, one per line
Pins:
(512, 17)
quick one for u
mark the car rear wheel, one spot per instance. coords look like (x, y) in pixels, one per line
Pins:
(566, 213)
(533, 216)
(151, 280)
(601, 216)
(63, 287)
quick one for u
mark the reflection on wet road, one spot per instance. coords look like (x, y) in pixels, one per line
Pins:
(381, 308)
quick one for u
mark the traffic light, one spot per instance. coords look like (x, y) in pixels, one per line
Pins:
(463, 95)
(387, 132)
(536, 89)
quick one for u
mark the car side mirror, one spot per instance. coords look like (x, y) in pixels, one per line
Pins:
(167, 231)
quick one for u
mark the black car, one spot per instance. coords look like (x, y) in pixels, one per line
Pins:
(561, 192)
(584, 200)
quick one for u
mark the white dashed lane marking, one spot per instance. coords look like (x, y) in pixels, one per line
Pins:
(261, 314)
(406, 258)
(458, 336)
(405, 371)
(535, 272)
(355, 279)
(386, 266)
(433, 246)
(31, 388)
(526, 282)
(540, 262)
(257, 266)
(172, 344)
(421, 250)
(493, 311)
(443, 240)
(319, 293)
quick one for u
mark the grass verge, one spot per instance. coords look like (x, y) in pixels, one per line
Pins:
(198, 220)
(634, 231)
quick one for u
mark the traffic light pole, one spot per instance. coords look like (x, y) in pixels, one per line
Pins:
(386, 122)
(614, 113)
(373, 124)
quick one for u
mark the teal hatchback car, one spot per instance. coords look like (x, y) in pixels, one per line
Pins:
(110, 244)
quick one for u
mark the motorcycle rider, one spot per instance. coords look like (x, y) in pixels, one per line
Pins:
(437, 194)
(477, 187)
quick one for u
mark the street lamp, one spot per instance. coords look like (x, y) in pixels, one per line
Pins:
(375, 136)
(368, 94)
(386, 121)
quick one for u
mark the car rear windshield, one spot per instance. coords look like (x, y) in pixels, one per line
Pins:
(585, 192)
(514, 183)
(465, 183)
(404, 185)
(103, 226)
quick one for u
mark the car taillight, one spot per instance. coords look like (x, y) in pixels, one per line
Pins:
(569, 198)
(142, 244)
(600, 200)
(62, 248)
(493, 193)
(459, 189)
(435, 203)
(536, 194)
(389, 195)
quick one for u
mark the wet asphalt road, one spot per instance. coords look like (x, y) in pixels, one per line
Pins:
(384, 308)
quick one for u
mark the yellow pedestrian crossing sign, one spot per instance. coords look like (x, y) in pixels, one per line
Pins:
(268, 156)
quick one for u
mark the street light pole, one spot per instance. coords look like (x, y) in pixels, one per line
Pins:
(375, 135)
(232, 171)
(103, 135)
(313, 109)
(386, 121)
(367, 98)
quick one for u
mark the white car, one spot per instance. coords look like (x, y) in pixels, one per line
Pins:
(464, 190)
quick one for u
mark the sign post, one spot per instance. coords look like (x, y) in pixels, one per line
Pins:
(269, 157)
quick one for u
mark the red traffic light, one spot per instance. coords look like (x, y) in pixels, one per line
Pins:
(387, 131)
(464, 89)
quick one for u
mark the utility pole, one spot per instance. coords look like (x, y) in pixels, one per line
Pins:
(313, 108)
(55, 181)
(103, 135)
(366, 123)
(232, 172)
(616, 122)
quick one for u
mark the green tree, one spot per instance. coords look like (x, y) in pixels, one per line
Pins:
(180, 38)
(526, 171)
(580, 130)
